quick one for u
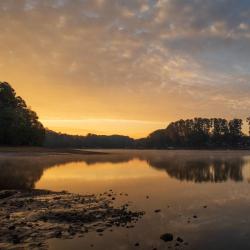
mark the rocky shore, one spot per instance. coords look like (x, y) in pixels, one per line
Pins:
(29, 218)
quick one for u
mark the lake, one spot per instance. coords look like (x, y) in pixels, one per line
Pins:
(201, 196)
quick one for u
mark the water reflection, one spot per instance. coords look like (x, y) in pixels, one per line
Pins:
(202, 170)
(24, 172)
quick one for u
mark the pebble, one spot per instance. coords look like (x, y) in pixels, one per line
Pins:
(179, 239)
(167, 237)
(157, 210)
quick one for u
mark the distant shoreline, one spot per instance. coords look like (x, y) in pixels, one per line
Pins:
(39, 150)
(101, 151)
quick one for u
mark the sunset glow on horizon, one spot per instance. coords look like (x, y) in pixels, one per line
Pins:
(126, 67)
(133, 128)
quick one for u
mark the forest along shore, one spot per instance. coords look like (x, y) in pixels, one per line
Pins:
(29, 218)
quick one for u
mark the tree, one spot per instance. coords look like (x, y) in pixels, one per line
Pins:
(19, 125)
(248, 123)
(235, 127)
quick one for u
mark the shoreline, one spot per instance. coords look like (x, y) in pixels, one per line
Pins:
(29, 218)
(42, 150)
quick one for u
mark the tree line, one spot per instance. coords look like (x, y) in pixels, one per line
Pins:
(190, 133)
(200, 132)
(61, 140)
(19, 126)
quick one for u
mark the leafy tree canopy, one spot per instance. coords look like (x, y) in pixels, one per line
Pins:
(19, 125)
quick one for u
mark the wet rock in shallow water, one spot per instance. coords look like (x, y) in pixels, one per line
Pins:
(65, 217)
(16, 239)
(58, 234)
(5, 194)
(157, 210)
(179, 239)
(57, 198)
(167, 237)
(12, 227)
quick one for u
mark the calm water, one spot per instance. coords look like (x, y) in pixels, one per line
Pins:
(180, 183)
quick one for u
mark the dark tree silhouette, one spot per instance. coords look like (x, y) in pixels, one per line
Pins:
(200, 133)
(59, 140)
(19, 125)
(248, 123)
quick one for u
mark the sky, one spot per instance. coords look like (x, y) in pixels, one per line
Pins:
(127, 66)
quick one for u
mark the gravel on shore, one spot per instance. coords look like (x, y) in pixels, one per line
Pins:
(29, 218)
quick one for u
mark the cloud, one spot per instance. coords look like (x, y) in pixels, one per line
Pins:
(187, 55)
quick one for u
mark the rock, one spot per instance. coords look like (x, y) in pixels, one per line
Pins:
(137, 244)
(167, 237)
(55, 215)
(12, 227)
(157, 210)
(15, 239)
(58, 234)
(5, 194)
(179, 239)
(195, 216)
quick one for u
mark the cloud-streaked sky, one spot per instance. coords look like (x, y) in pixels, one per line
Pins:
(127, 66)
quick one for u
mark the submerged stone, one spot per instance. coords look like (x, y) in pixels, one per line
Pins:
(179, 239)
(157, 210)
(167, 237)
